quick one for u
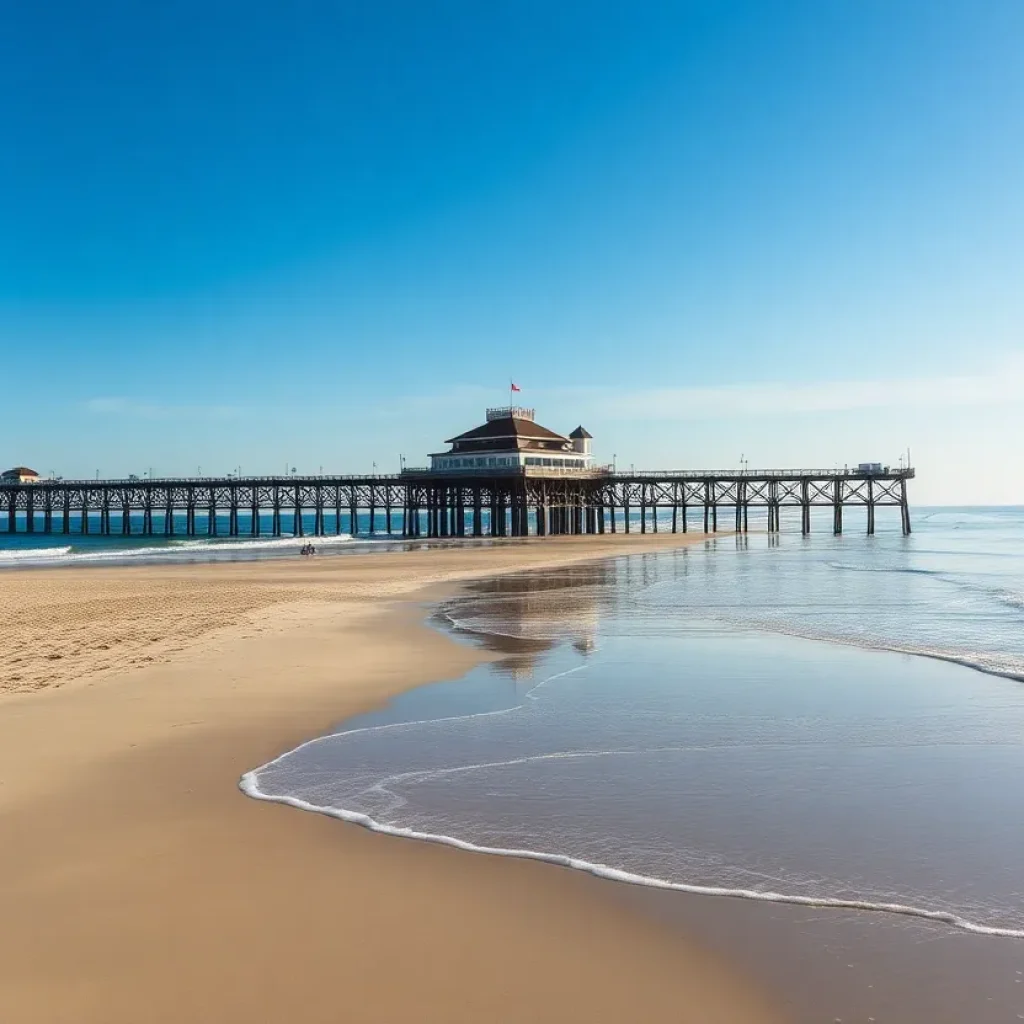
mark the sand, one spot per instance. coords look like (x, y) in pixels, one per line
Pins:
(137, 883)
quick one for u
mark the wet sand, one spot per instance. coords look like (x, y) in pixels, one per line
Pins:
(138, 883)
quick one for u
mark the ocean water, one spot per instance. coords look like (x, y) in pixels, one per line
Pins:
(24, 550)
(834, 724)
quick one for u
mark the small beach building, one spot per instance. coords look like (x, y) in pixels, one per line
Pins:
(511, 440)
(19, 475)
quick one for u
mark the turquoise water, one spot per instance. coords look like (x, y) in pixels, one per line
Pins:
(24, 550)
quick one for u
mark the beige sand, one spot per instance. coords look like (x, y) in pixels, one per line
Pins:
(138, 884)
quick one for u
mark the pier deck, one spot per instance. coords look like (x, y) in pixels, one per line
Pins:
(415, 503)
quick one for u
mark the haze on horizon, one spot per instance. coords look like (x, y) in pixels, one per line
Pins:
(240, 237)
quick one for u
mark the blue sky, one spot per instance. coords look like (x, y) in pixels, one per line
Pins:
(328, 234)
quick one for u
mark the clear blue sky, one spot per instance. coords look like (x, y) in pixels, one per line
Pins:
(325, 234)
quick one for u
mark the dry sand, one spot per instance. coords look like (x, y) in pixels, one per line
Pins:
(137, 884)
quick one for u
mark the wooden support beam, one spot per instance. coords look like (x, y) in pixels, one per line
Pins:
(904, 508)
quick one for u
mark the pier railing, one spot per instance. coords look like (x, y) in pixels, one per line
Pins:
(886, 473)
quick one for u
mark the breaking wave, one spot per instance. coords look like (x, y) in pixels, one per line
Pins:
(172, 550)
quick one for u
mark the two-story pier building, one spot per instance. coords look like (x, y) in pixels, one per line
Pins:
(511, 440)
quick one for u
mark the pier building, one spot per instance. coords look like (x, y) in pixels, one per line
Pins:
(510, 440)
(19, 475)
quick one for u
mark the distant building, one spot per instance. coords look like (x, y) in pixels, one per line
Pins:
(19, 475)
(512, 441)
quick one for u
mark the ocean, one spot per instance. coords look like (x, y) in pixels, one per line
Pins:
(821, 734)
(36, 550)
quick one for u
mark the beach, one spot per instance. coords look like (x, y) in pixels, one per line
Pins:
(139, 883)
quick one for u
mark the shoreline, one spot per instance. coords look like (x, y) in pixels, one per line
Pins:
(141, 884)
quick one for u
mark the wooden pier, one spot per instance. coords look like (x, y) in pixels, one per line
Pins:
(422, 503)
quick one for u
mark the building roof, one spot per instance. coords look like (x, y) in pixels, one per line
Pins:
(21, 471)
(508, 427)
(505, 445)
(580, 432)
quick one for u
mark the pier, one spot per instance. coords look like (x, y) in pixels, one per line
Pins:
(519, 502)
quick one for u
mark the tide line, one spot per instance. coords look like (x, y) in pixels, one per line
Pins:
(249, 784)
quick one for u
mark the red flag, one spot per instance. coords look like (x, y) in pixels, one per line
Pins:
(515, 387)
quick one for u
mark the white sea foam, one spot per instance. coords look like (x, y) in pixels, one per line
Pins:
(992, 664)
(172, 550)
(34, 554)
(215, 544)
(249, 784)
